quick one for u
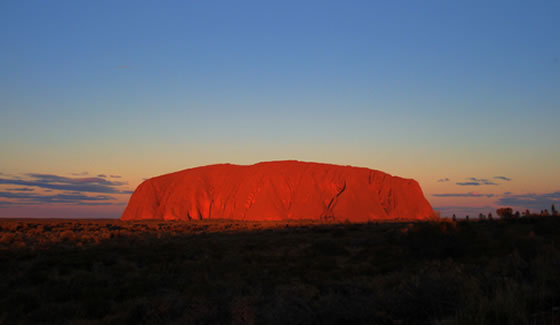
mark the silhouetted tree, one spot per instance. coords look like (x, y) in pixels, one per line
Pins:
(553, 210)
(527, 213)
(517, 214)
(467, 218)
(454, 217)
(545, 212)
(481, 216)
(490, 217)
(505, 213)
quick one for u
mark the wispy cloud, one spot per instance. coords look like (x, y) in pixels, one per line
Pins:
(56, 182)
(507, 179)
(20, 189)
(531, 200)
(469, 194)
(74, 198)
(473, 181)
(80, 174)
(114, 176)
(96, 203)
(442, 180)
(102, 175)
(10, 204)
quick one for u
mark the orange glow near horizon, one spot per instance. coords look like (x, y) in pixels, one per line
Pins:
(484, 198)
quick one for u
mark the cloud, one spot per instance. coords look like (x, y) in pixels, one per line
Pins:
(468, 184)
(11, 204)
(102, 175)
(20, 189)
(114, 176)
(55, 182)
(74, 198)
(441, 180)
(473, 181)
(469, 194)
(95, 203)
(531, 201)
(81, 174)
(507, 179)
(482, 181)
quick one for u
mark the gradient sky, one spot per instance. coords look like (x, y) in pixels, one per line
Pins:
(450, 93)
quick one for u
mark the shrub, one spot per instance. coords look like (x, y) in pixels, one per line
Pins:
(505, 213)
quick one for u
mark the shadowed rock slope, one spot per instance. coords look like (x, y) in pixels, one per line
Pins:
(276, 191)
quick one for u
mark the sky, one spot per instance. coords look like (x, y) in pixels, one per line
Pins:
(95, 96)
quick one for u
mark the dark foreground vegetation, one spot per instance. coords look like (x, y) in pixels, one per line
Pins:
(224, 272)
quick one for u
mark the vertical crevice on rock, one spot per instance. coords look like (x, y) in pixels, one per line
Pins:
(328, 211)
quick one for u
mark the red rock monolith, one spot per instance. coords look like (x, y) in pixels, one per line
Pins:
(279, 190)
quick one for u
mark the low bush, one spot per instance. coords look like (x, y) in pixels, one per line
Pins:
(114, 272)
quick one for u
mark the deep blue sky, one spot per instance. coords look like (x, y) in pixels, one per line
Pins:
(422, 89)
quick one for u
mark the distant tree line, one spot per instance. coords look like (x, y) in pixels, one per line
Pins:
(508, 213)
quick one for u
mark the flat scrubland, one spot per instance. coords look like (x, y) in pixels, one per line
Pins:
(231, 272)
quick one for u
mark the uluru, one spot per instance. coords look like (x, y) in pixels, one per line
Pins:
(278, 190)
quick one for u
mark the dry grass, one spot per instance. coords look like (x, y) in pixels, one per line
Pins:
(114, 272)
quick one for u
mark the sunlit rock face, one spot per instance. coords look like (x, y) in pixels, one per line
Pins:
(279, 190)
